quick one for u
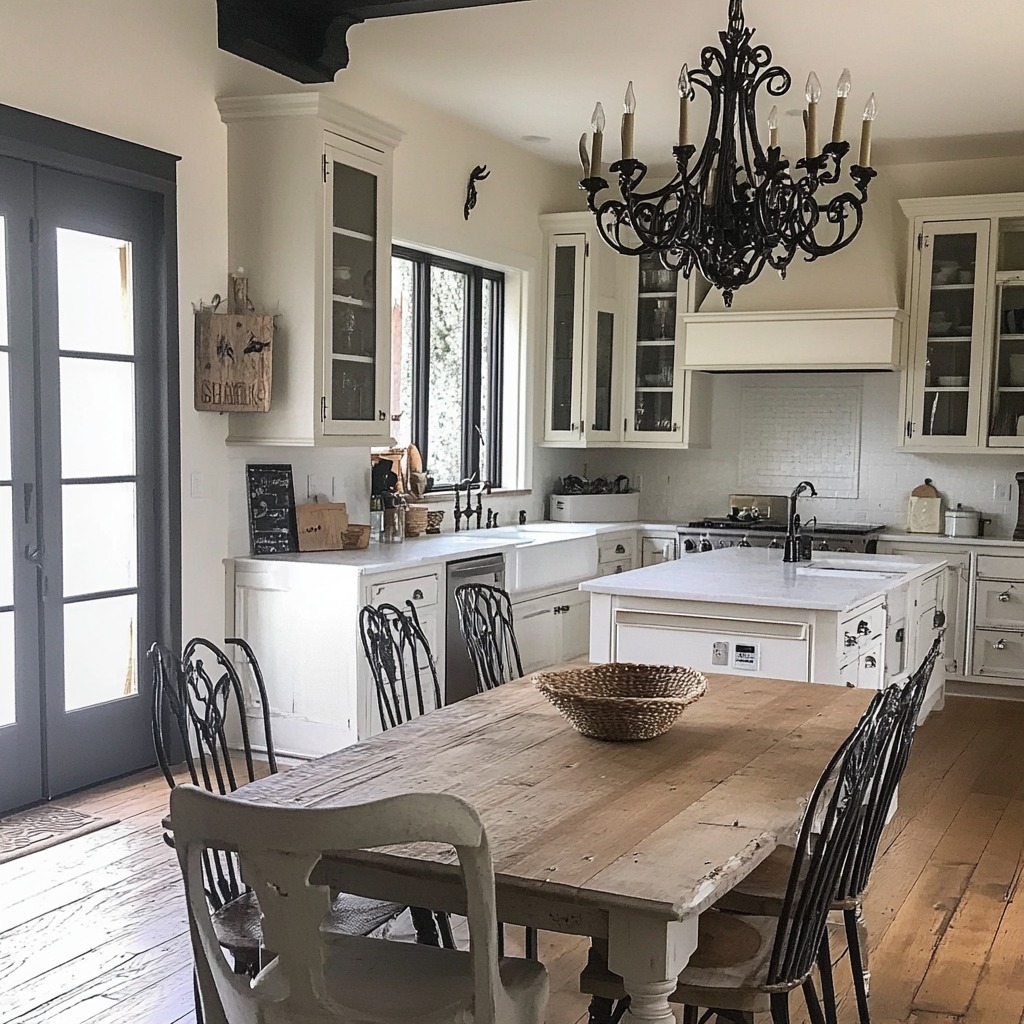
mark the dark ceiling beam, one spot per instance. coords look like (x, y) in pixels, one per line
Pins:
(306, 39)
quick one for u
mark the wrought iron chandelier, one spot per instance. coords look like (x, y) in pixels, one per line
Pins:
(733, 207)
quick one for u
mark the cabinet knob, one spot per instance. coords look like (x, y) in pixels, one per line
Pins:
(1004, 597)
(850, 686)
(863, 629)
(572, 426)
(381, 415)
(900, 635)
(870, 661)
(1000, 644)
(849, 640)
(675, 428)
(417, 595)
(938, 620)
(620, 549)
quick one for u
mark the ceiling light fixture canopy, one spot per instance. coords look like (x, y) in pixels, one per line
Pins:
(733, 206)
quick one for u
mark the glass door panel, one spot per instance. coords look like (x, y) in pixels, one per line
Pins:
(603, 383)
(566, 326)
(653, 384)
(1006, 418)
(950, 329)
(352, 257)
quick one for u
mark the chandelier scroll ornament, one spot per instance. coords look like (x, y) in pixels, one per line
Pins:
(733, 206)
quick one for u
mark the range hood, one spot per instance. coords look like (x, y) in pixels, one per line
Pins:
(792, 340)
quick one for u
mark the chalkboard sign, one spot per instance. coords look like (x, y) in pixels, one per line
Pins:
(271, 510)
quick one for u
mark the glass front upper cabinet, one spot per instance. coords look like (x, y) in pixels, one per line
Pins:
(652, 385)
(1006, 408)
(566, 274)
(356, 400)
(951, 326)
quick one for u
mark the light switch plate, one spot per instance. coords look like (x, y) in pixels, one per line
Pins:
(720, 653)
(1000, 491)
(319, 485)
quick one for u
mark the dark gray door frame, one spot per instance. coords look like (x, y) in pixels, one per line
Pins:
(78, 151)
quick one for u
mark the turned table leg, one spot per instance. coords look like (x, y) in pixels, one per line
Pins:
(648, 954)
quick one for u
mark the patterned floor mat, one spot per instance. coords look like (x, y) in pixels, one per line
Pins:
(41, 827)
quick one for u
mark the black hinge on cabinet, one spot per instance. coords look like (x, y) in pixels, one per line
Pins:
(323, 408)
(323, 166)
(910, 428)
(920, 242)
(586, 249)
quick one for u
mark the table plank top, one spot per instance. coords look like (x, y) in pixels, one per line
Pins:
(662, 827)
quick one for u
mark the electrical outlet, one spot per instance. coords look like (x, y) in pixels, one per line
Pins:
(1000, 491)
(719, 653)
(196, 485)
(318, 485)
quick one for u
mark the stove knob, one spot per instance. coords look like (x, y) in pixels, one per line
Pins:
(744, 542)
(688, 546)
(823, 546)
(725, 543)
(775, 543)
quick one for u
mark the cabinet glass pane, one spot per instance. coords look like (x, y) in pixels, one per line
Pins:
(353, 286)
(603, 371)
(1007, 408)
(655, 347)
(950, 335)
(353, 388)
(563, 342)
(99, 651)
(355, 199)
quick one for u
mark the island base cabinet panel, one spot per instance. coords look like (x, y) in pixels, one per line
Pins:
(552, 630)
(999, 655)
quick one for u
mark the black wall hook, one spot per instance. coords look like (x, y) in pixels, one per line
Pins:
(477, 174)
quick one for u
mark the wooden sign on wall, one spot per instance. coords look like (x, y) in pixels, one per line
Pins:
(233, 361)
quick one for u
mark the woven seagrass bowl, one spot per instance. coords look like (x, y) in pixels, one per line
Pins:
(622, 702)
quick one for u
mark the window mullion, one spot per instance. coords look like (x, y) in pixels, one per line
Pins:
(496, 366)
(473, 363)
(421, 359)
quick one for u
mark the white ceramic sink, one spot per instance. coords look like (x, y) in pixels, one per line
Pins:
(829, 573)
(541, 557)
(860, 566)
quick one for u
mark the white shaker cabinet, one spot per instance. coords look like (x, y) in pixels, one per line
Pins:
(309, 220)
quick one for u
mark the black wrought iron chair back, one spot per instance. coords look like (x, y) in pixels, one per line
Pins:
(830, 826)
(485, 618)
(897, 724)
(401, 663)
(195, 696)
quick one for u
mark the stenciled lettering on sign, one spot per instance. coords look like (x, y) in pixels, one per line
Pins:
(239, 393)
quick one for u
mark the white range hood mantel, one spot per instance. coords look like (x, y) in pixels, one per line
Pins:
(812, 339)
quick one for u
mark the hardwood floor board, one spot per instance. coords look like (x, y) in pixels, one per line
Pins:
(963, 950)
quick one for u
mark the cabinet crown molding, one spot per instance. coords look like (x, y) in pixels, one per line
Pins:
(370, 130)
(952, 207)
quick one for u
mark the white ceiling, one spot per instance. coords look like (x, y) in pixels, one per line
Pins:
(941, 70)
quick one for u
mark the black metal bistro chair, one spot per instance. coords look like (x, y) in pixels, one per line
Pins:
(485, 619)
(762, 892)
(195, 698)
(751, 964)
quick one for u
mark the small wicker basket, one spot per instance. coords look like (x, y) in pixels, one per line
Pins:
(415, 520)
(622, 702)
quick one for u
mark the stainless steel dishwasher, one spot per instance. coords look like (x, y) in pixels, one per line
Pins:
(459, 674)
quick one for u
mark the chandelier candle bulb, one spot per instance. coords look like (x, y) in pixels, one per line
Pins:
(842, 92)
(685, 95)
(813, 93)
(628, 109)
(597, 123)
(870, 113)
(773, 127)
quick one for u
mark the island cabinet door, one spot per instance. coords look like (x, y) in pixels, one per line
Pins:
(537, 632)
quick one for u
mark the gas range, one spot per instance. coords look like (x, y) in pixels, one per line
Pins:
(748, 526)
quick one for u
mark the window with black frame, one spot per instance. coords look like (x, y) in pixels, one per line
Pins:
(446, 365)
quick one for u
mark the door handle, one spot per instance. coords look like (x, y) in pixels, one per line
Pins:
(34, 553)
(1004, 597)
(1000, 644)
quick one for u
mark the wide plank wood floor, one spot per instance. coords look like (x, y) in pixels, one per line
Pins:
(93, 931)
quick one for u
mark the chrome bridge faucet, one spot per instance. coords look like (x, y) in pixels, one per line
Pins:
(794, 549)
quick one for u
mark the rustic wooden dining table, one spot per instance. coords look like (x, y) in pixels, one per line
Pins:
(624, 842)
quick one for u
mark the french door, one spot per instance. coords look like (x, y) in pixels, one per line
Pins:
(79, 583)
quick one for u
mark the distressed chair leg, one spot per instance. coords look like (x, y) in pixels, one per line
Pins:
(855, 931)
(813, 1003)
(780, 1008)
(198, 999)
(828, 987)
(425, 925)
(531, 944)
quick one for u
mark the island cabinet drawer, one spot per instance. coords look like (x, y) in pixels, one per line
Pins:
(1000, 567)
(613, 568)
(616, 549)
(861, 631)
(999, 653)
(998, 603)
(422, 591)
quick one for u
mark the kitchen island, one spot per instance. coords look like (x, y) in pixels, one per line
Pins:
(854, 620)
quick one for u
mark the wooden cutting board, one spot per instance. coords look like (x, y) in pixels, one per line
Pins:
(925, 490)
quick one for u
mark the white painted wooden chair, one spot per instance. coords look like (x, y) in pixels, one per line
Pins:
(316, 977)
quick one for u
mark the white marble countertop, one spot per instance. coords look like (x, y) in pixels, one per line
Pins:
(758, 576)
(902, 536)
